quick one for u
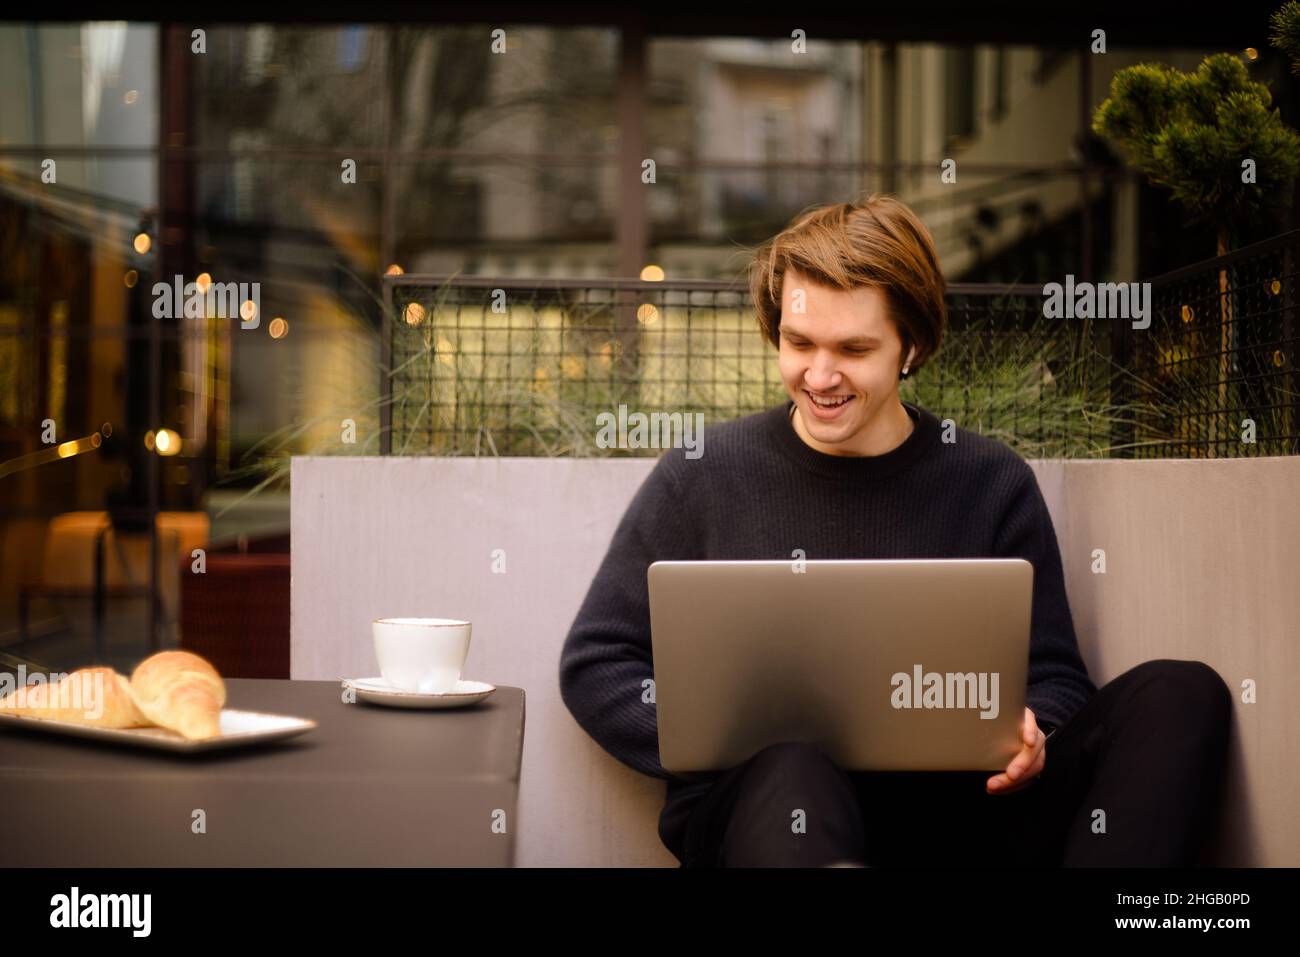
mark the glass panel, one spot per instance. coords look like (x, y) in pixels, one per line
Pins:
(88, 84)
(278, 86)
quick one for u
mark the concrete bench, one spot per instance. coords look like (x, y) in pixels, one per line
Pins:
(1200, 564)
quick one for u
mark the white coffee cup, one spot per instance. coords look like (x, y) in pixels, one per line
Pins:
(423, 655)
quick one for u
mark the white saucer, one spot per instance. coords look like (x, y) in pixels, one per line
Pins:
(379, 691)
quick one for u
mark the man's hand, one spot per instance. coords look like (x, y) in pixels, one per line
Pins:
(1026, 765)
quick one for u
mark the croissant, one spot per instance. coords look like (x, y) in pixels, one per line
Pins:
(94, 696)
(180, 691)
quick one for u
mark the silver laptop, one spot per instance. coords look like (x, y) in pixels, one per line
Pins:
(897, 665)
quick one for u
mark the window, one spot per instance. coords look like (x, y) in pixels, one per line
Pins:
(959, 73)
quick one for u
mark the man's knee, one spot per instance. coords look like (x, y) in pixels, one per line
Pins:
(1194, 681)
(801, 758)
(1196, 691)
(795, 772)
(796, 807)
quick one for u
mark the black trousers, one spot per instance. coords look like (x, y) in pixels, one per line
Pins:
(1134, 779)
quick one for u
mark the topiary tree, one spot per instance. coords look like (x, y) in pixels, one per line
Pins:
(1286, 32)
(1192, 134)
(1214, 140)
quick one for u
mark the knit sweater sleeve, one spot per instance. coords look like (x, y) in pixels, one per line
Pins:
(1059, 684)
(606, 661)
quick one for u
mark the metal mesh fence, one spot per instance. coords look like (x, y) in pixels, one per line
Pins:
(1220, 356)
(484, 366)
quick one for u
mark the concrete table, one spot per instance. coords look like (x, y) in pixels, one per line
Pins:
(371, 786)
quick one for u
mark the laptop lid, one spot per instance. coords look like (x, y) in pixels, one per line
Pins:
(885, 664)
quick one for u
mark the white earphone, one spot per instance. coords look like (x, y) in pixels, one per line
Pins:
(907, 365)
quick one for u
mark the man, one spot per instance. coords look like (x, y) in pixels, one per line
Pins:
(851, 296)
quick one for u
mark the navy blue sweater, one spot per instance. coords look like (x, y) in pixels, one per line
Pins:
(756, 489)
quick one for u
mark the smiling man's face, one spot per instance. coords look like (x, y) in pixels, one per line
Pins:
(842, 347)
